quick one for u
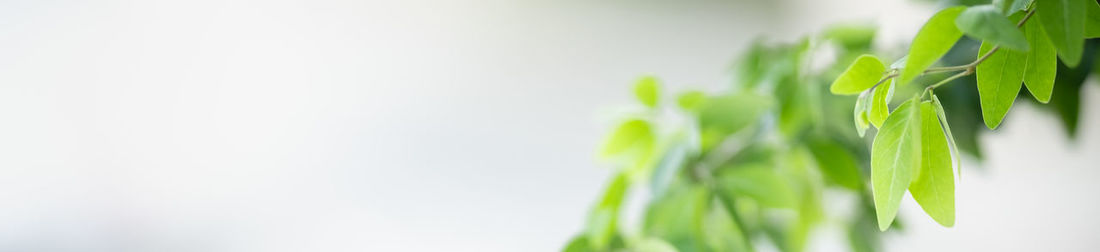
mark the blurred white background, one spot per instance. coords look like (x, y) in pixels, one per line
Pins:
(331, 125)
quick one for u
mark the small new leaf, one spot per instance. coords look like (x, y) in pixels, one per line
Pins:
(647, 91)
(895, 155)
(933, 40)
(985, 22)
(879, 104)
(861, 75)
(631, 135)
(999, 80)
(934, 187)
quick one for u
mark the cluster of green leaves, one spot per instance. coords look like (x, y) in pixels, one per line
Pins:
(914, 147)
(748, 167)
(728, 170)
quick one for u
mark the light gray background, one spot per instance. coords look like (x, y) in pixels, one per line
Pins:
(464, 125)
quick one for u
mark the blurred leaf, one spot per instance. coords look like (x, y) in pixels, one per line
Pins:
(851, 37)
(1066, 99)
(670, 165)
(895, 154)
(1042, 63)
(653, 245)
(986, 22)
(879, 103)
(1064, 22)
(1092, 19)
(647, 90)
(863, 236)
(861, 75)
(761, 183)
(721, 233)
(578, 244)
(933, 40)
(999, 80)
(632, 136)
(1009, 7)
(837, 163)
(723, 115)
(691, 100)
(603, 220)
(678, 217)
(934, 187)
(794, 106)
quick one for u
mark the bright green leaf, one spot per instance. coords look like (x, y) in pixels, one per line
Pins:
(895, 154)
(1064, 22)
(1042, 63)
(947, 129)
(934, 188)
(985, 22)
(860, 75)
(647, 90)
(691, 100)
(578, 244)
(999, 80)
(603, 220)
(632, 135)
(1092, 20)
(934, 39)
(880, 102)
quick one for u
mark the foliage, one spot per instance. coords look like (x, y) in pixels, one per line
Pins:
(749, 167)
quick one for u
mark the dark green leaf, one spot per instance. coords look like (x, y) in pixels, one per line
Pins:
(985, 22)
(860, 75)
(1064, 22)
(895, 155)
(932, 42)
(1042, 63)
(999, 79)
(1092, 19)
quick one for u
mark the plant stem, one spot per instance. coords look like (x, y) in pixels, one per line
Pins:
(966, 69)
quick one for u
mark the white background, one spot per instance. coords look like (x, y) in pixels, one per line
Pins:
(464, 125)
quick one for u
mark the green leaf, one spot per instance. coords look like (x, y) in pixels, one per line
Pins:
(860, 75)
(895, 155)
(691, 100)
(947, 129)
(1064, 22)
(999, 80)
(837, 163)
(647, 91)
(934, 188)
(603, 220)
(761, 183)
(631, 136)
(985, 22)
(1092, 20)
(578, 244)
(863, 104)
(851, 37)
(879, 104)
(1009, 7)
(723, 115)
(653, 245)
(932, 42)
(1041, 63)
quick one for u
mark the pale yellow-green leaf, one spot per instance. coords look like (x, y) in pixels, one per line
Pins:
(895, 154)
(934, 39)
(934, 187)
(860, 75)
